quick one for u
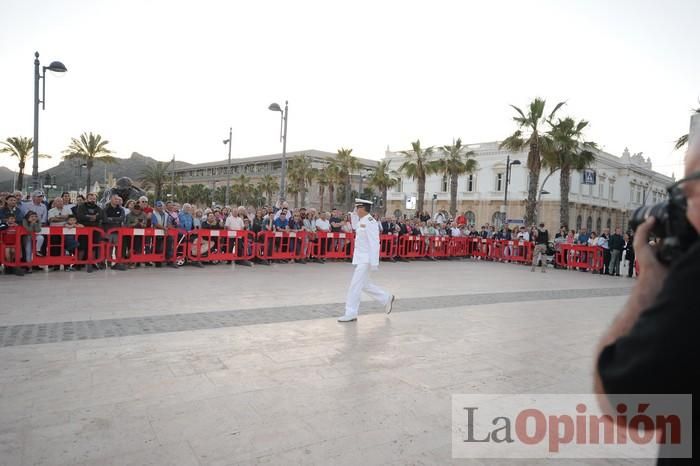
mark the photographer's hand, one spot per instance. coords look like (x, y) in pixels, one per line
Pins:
(652, 275)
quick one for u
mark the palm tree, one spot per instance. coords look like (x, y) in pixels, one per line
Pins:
(347, 165)
(566, 150)
(20, 147)
(89, 148)
(322, 181)
(301, 175)
(683, 140)
(268, 185)
(241, 189)
(198, 194)
(417, 166)
(155, 175)
(456, 162)
(529, 135)
(383, 178)
(334, 176)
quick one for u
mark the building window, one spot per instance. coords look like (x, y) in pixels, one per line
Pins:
(471, 218)
(609, 222)
(589, 223)
(638, 195)
(601, 188)
(598, 225)
(579, 221)
(497, 219)
(499, 182)
(590, 189)
(612, 191)
(470, 183)
(399, 185)
(443, 184)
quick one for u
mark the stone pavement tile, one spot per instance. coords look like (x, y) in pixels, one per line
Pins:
(75, 442)
(243, 446)
(171, 454)
(11, 448)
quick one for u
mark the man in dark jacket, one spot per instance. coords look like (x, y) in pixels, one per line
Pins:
(652, 346)
(616, 243)
(90, 215)
(113, 216)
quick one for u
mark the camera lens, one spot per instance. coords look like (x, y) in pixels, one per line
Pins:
(658, 211)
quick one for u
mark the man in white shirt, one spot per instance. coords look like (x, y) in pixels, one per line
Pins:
(523, 234)
(365, 257)
(236, 222)
(59, 213)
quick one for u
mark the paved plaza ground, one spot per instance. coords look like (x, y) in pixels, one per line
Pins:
(231, 365)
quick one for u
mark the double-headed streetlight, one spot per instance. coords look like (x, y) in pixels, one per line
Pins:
(55, 66)
(275, 107)
(505, 198)
(228, 167)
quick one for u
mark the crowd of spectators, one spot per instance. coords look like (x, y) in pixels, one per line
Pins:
(36, 212)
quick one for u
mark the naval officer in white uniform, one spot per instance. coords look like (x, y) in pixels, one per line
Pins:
(365, 257)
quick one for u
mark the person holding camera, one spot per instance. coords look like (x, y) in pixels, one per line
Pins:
(652, 346)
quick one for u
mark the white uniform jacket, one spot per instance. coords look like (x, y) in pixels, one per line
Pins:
(366, 240)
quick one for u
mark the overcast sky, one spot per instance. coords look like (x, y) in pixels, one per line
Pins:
(170, 77)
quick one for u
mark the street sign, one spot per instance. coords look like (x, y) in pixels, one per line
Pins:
(411, 203)
(589, 176)
(515, 221)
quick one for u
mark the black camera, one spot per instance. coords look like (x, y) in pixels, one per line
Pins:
(671, 225)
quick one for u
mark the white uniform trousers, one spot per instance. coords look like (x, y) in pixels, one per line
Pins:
(360, 282)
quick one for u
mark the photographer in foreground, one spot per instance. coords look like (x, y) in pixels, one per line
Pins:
(652, 346)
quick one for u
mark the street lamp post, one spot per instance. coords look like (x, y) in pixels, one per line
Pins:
(228, 167)
(505, 198)
(275, 107)
(57, 67)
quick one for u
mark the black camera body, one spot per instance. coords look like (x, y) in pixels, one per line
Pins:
(671, 226)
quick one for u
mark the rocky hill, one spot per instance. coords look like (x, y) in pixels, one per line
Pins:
(68, 174)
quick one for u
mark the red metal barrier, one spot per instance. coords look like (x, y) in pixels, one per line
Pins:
(411, 246)
(53, 246)
(438, 246)
(388, 246)
(220, 245)
(334, 245)
(516, 251)
(577, 256)
(478, 247)
(459, 246)
(136, 245)
(281, 245)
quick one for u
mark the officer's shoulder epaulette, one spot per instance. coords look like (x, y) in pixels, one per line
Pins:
(371, 219)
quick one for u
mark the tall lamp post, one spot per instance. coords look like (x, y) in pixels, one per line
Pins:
(275, 107)
(57, 67)
(228, 167)
(505, 198)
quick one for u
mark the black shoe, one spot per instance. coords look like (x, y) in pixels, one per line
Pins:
(89, 268)
(197, 264)
(119, 267)
(37, 268)
(158, 265)
(244, 262)
(19, 272)
(172, 265)
(55, 268)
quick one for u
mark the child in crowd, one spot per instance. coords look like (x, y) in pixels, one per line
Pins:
(70, 242)
(8, 238)
(33, 227)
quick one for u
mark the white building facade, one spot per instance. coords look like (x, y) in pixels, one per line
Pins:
(622, 184)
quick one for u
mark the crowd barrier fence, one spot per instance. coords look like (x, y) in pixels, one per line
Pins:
(61, 246)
